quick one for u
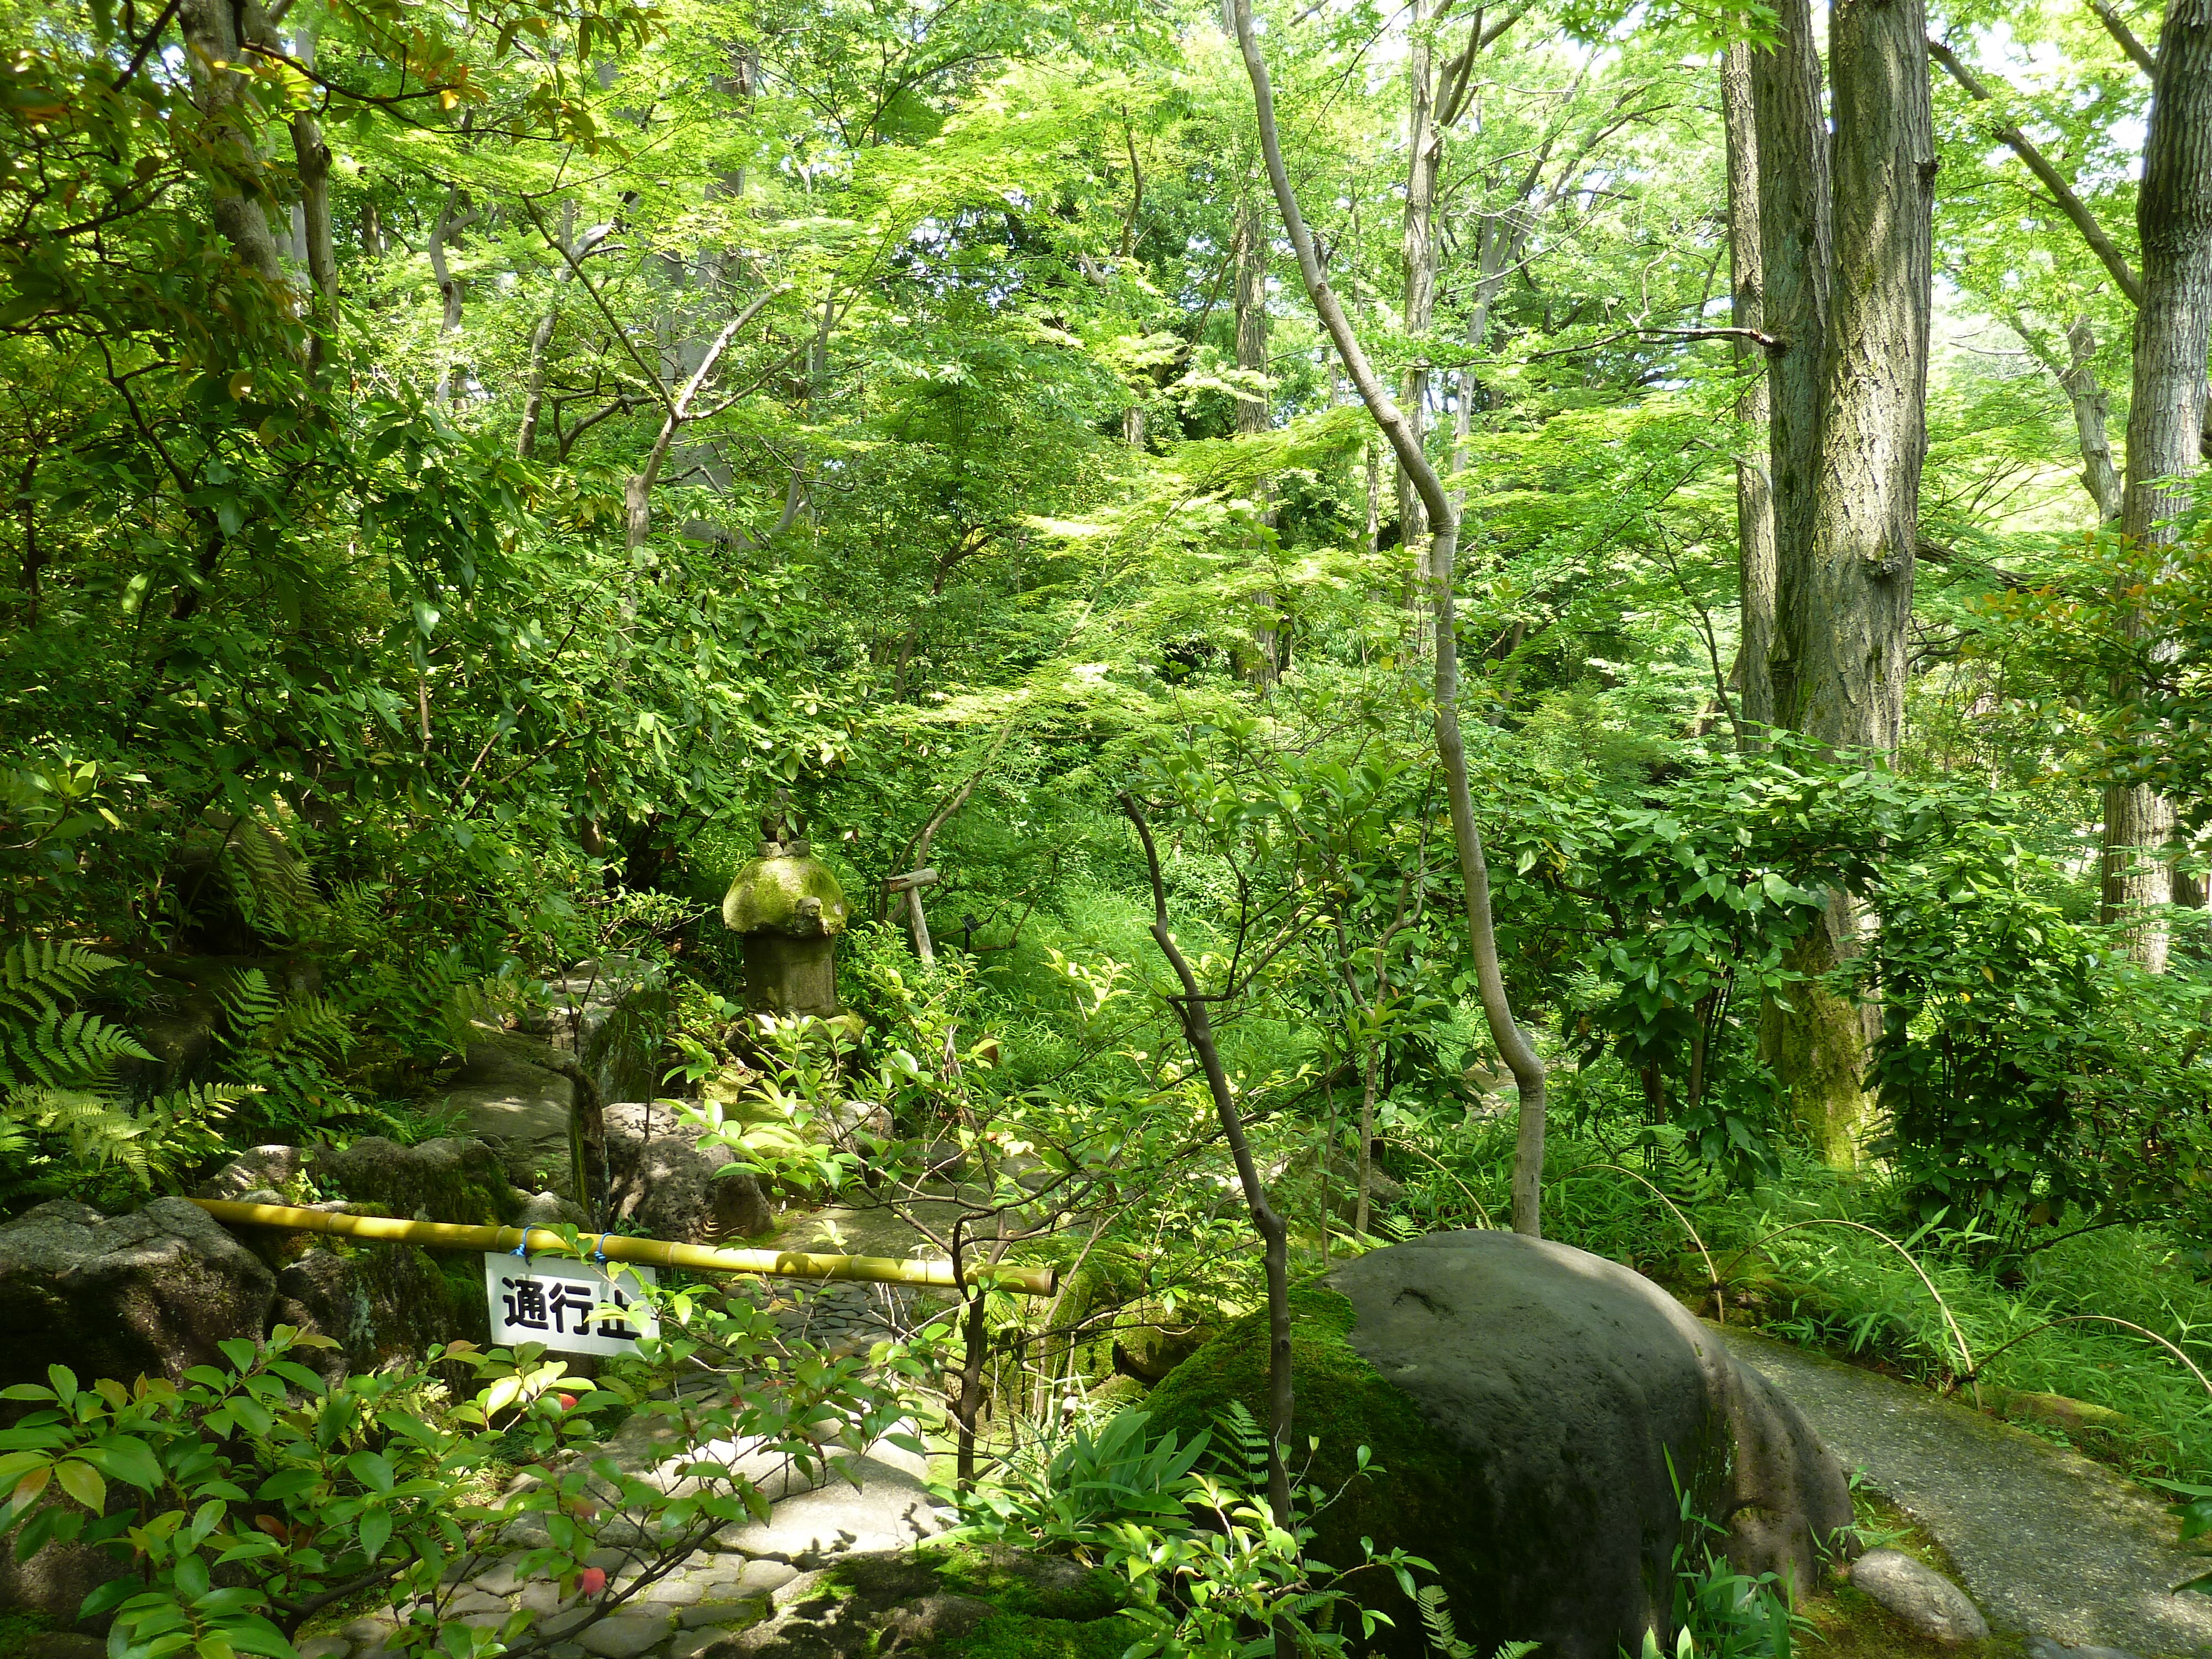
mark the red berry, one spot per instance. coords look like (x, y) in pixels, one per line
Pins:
(568, 1401)
(593, 1580)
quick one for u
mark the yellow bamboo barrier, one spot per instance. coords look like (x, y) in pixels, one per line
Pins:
(616, 1246)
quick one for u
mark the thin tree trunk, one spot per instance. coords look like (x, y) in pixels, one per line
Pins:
(2166, 416)
(1754, 501)
(1249, 247)
(1418, 255)
(1519, 1054)
(311, 156)
(2091, 413)
(449, 225)
(1274, 1236)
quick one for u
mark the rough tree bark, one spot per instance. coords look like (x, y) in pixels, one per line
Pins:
(311, 156)
(1513, 1044)
(1844, 534)
(2166, 419)
(218, 32)
(1754, 501)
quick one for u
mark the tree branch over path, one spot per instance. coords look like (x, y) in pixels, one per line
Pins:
(1513, 1046)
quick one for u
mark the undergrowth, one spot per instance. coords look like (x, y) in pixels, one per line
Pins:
(1850, 1293)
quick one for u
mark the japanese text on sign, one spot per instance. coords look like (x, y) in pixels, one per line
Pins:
(571, 1307)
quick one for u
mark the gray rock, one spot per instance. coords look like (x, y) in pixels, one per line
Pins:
(724, 1613)
(891, 1510)
(322, 1293)
(545, 1209)
(1919, 1595)
(765, 1577)
(368, 1634)
(503, 1578)
(623, 1635)
(275, 1169)
(326, 1647)
(1540, 1404)
(2042, 1647)
(474, 1601)
(149, 1293)
(450, 1179)
(662, 1180)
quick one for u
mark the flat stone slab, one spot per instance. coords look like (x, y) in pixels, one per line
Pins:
(2048, 1543)
(1922, 1597)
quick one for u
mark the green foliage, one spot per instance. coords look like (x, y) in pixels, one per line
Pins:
(291, 1488)
(1069, 1493)
(67, 1122)
(2030, 1069)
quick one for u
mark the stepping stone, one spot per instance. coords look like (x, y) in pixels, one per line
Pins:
(2039, 1647)
(502, 1579)
(723, 1612)
(623, 1636)
(473, 1601)
(1922, 1597)
(675, 1590)
(322, 1647)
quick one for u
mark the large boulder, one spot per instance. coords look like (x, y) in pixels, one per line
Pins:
(1535, 1413)
(611, 1013)
(151, 1293)
(662, 1181)
(450, 1179)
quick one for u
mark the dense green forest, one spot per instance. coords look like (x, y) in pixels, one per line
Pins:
(1599, 624)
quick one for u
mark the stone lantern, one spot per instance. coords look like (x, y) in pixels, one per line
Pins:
(789, 910)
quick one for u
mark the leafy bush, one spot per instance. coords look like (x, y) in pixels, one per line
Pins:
(2029, 1068)
(246, 1498)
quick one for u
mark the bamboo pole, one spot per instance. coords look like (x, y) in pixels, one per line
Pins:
(616, 1246)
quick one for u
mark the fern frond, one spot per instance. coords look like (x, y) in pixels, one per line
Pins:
(308, 1024)
(248, 1004)
(267, 879)
(36, 975)
(63, 1051)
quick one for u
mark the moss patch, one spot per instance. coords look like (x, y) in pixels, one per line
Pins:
(1019, 1636)
(767, 892)
(1412, 1491)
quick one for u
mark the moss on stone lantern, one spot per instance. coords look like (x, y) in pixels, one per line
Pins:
(788, 910)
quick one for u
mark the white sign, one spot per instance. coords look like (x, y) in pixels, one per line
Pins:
(570, 1306)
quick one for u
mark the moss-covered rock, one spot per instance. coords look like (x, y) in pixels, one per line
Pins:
(1412, 1489)
(1534, 1415)
(796, 896)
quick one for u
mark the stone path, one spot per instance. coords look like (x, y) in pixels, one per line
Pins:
(745, 1573)
(2051, 1545)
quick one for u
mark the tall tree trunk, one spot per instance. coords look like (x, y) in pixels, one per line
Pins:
(1754, 499)
(216, 32)
(2166, 419)
(1519, 1054)
(312, 158)
(1418, 256)
(1790, 139)
(444, 234)
(1844, 546)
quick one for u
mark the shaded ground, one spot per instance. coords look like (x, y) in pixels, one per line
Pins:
(2047, 1542)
